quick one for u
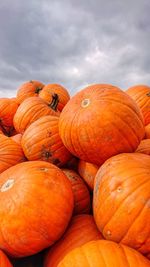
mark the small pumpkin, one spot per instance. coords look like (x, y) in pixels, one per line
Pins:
(8, 108)
(28, 89)
(81, 230)
(41, 141)
(82, 201)
(121, 202)
(36, 204)
(141, 95)
(57, 90)
(88, 172)
(144, 147)
(101, 121)
(4, 261)
(11, 153)
(102, 253)
(30, 110)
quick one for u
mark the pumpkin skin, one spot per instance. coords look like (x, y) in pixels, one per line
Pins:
(141, 95)
(55, 89)
(82, 201)
(46, 144)
(88, 172)
(29, 111)
(36, 203)
(147, 131)
(144, 147)
(8, 108)
(4, 261)
(10, 153)
(17, 138)
(28, 89)
(101, 121)
(81, 230)
(102, 253)
(121, 200)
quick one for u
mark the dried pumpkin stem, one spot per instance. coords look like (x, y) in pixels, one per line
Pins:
(55, 101)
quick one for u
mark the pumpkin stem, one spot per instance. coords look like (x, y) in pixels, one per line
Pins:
(55, 101)
(148, 94)
(38, 89)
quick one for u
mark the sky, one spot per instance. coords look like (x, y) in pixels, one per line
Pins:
(74, 43)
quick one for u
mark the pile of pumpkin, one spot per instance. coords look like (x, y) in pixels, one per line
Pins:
(75, 177)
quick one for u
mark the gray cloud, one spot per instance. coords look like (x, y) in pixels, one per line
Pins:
(74, 43)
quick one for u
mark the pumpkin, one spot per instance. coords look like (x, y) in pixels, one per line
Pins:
(30, 110)
(36, 204)
(101, 121)
(102, 253)
(141, 95)
(17, 138)
(55, 90)
(82, 201)
(4, 261)
(46, 144)
(81, 230)
(121, 202)
(8, 108)
(87, 171)
(10, 153)
(147, 131)
(28, 89)
(144, 147)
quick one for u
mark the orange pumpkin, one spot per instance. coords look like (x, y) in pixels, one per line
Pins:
(51, 90)
(141, 95)
(144, 147)
(121, 202)
(10, 153)
(41, 141)
(88, 172)
(102, 253)
(99, 122)
(4, 261)
(81, 230)
(8, 108)
(147, 131)
(28, 89)
(82, 201)
(30, 110)
(17, 138)
(36, 203)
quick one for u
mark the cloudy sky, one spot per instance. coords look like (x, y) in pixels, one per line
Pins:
(74, 43)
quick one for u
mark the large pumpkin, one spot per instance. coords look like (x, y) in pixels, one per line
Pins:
(11, 153)
(28, 89)
(99, 122)
(88, 171)
(81, 230)
(141, 95)
(82, 201)
(121, 203)
(36, 204)
(4, 261)
(30, 110)
(55, 90)
(102, 253)
(41, 141)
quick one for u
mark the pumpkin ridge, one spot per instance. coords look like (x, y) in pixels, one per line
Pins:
(137, 216)
(122, 202)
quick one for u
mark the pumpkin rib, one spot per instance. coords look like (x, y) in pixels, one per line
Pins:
(137, 217)
(131, 129)
(126, 197)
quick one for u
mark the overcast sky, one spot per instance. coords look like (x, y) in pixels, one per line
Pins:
(74, 43)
